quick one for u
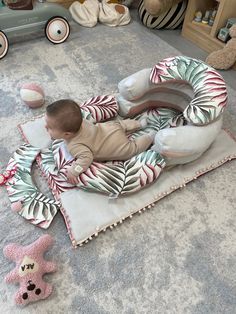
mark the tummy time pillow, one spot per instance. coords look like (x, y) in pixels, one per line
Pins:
(185, 83)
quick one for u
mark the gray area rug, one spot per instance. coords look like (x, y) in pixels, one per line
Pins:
(180, 257)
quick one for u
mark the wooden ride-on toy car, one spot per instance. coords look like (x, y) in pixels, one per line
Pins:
(21, 17)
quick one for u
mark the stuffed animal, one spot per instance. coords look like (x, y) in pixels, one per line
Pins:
(157, 7)
(225, 58)
(30, 267)
(162, 14)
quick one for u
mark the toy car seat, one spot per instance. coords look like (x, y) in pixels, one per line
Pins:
(19, 4)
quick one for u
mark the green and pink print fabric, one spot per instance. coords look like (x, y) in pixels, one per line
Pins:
(210, 93)
(110, 178)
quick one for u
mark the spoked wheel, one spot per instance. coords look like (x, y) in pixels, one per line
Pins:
(57, 30)
(4, 45)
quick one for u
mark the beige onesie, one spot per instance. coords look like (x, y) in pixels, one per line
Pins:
(105, 141)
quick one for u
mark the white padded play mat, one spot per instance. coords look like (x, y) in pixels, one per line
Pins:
(107, 192)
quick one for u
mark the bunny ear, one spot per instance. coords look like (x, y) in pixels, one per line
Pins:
(46, 240)
(42, 243)
(11, 250)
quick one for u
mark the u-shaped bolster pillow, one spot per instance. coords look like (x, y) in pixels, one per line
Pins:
(188, 85)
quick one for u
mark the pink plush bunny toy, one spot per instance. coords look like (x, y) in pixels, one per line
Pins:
(29, 270)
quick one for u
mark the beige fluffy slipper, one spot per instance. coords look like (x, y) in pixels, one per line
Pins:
(85, 12)
(113, 14)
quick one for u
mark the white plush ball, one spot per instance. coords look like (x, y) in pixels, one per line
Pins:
(32, 95)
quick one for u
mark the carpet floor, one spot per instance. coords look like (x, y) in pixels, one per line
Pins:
(180, 257)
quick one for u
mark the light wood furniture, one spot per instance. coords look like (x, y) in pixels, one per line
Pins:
(203, 35)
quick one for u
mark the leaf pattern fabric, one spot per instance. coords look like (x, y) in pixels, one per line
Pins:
(35, 207)
(112, 178)
(210, 93)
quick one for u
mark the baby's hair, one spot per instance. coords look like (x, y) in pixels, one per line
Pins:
(67, 114)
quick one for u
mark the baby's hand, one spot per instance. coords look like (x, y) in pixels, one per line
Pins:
(72, 179)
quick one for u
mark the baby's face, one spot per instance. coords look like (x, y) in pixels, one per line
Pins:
(52, 128)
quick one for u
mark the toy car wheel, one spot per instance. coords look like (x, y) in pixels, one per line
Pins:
(57, 30)
(4, 45)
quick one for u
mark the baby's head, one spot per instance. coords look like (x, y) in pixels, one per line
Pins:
(63, 119)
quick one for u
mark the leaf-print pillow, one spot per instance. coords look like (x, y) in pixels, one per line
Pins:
(24, 195)
(112, 178)
(210, 93)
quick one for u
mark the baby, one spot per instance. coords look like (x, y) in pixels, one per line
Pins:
(87, 141)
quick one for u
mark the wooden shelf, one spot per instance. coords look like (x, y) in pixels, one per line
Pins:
(205, 28)
(203, 35)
